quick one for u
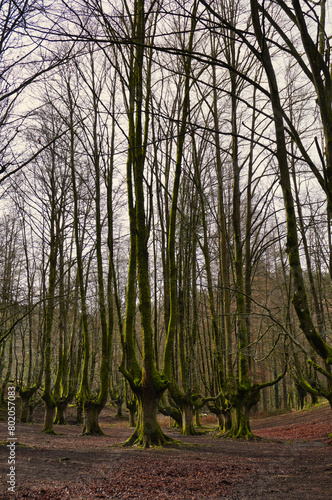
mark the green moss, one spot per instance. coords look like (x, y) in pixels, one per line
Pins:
(49, 431)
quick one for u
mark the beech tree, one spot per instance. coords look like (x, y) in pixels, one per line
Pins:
(171, 128)
(30, 377)
(146, 382)
(9, 293)
(319, 76)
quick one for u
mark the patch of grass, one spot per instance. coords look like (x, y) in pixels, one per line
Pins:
(17, 443)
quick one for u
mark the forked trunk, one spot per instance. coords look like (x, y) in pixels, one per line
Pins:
(246, 398)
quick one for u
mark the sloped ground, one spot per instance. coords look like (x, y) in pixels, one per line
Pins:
(293, 461)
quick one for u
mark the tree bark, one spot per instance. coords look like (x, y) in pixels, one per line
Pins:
(91, 419)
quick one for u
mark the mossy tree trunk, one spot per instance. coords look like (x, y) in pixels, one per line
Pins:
(8, 371)
(26, 389)
(61, 406)
(188, 428)
(181, 397)
(62, 392)
(25, 408)
(119, 404)
(245, 397)
(26, 393)
(83, 392)
(9, 255)
(318, 72)
(49, 415)
(223, 247)
(89, 406)
(118, 393)
(197, 420)
(145, 382)
(148, 432)
(94, 405)
(131, 404)
(241, 400)
(47, 395)
(318, 69)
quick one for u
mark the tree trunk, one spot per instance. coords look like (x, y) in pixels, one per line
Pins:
(227, 420)
(197, 419)
(132, 421)
(242, 425)
(61, 406)
(132, 407)
(220, 419)
(188, 413)
(49, 415)
(79, 414)
(238, 419)
(147, 431)
(314, 399)
(25, 409)
(91, 416)
(119, 408)
(8, 372)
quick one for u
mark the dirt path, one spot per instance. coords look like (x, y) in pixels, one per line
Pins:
(295, 464)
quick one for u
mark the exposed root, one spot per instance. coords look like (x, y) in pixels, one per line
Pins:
(49, 431)
(95, 431)
(249, 436)
(156, 439)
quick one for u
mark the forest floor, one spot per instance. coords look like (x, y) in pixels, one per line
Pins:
(292, 461)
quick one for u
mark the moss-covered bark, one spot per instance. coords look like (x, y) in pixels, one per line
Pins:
(145, 382)
(119, 403)
(188, 428)
(25, 409)
(172, 412)
(148, 432)
(91, 425)
(92, 408)
(244, 399)
(182, 397)
(8, 372)
(61, 406)
(49, 315)
(49, 413)
(79, 414)
(26, 393)
(197, 419)
(318, 68)
(132, 407)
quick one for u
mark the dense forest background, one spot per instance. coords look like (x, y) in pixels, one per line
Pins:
(166, 205)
